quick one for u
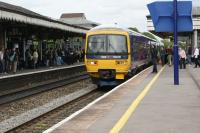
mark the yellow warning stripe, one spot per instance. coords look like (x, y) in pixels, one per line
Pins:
(122, 121)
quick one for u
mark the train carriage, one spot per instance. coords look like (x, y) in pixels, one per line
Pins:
(112, 53)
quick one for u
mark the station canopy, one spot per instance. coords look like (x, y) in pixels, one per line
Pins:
(19, 14)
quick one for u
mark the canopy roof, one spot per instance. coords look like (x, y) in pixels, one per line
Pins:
(16, 13)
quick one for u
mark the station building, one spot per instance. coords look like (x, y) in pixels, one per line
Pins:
(77, 19)
(190, 38)
(25, 29)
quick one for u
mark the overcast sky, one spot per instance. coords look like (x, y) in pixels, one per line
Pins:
(127, 13)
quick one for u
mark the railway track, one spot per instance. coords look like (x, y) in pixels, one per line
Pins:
(16, 97)
(23, 118)
(39, 89)
(47, 120)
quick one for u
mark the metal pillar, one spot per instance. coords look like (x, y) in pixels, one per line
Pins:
(5, 39)
(41, 52)
(195, 37)
(176, 60)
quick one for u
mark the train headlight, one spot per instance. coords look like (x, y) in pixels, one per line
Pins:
(92, 62)
(122, 62)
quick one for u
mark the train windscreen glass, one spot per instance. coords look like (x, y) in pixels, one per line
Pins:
(107, 44)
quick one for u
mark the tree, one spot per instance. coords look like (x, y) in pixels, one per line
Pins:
(149, 35)
(167, 43)
(182, 45)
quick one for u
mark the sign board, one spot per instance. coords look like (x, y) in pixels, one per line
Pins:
(162, 14)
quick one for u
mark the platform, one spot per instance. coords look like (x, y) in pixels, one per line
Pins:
(39, 70)
(147, 103)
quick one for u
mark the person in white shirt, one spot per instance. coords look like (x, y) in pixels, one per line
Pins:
(196, 56)
(182, 56)
(35, 58)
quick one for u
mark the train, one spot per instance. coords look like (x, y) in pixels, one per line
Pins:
(113, 53)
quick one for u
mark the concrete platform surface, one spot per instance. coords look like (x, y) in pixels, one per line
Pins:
(164, 109)
(168, 108)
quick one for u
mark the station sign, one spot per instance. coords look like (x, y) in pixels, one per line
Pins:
(162, 14)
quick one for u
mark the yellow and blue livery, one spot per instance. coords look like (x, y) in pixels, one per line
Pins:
(112, 53)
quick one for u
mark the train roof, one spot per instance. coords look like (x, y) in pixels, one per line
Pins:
(108, 27)
(141, 35)
(117, 27)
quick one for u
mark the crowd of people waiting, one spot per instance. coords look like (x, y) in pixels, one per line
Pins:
(189, 57)
(165, 56)
(12, 60)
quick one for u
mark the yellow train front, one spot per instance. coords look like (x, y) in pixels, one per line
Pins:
(108, 57)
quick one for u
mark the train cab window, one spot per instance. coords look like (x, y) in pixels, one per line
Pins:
(117, 44)
(110, 44)
(97, 44)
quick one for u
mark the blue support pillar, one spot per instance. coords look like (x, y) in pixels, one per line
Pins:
(176, 56)
(172, 16)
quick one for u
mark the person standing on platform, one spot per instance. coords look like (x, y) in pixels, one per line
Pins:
(6, 60)
(154, 57)
(35, 58)
(162, 55)
(14, 60)
(1, 60)
(169, 57)
(28, 58)
(189, 55)
(196, 56)
(182, 56)
(51, 54)
(47, 57)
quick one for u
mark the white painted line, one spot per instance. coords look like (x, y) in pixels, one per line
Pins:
(40, 71)
(89, 105)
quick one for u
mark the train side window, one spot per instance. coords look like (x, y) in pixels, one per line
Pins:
(134, 50)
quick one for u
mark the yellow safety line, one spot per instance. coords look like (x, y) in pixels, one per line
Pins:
(122, 121)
